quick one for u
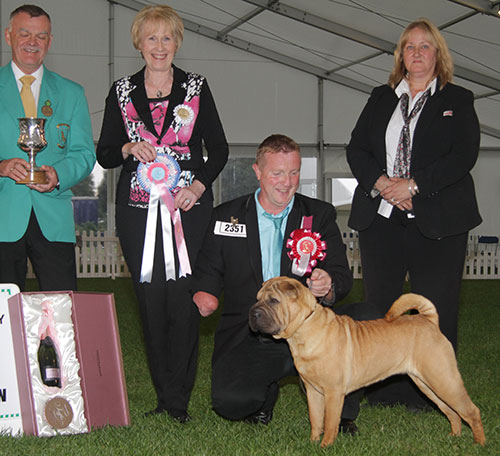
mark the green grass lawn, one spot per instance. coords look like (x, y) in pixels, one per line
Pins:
(383, 431)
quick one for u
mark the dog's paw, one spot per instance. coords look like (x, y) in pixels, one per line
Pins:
(326, 443)
(315, 437)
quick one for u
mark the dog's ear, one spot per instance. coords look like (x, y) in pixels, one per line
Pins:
(292, 288)
(269, 283)
(297, 305)
(300, 292)
(288, 287)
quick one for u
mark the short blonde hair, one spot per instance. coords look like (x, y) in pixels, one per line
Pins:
(153, 15)
(274, 144)
(444, 62)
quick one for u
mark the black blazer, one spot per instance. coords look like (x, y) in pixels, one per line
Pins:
(234, 264)
(207, 130)
(445, 148)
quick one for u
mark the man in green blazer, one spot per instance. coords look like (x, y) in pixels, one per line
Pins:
(37, 219)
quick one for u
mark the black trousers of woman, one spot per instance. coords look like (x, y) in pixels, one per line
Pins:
(170, 319)
(391, 248)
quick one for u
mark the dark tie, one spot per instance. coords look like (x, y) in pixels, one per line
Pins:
(277, 242)
(402, 160)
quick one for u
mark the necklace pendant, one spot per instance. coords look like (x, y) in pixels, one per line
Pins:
(158, 94)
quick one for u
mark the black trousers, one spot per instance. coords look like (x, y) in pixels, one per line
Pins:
(391, 249)
(170, 319)
(53, 262)
(245, 379)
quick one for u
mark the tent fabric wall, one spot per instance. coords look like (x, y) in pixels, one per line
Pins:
(256, 96)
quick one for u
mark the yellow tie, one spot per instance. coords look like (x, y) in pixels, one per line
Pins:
(27, 96)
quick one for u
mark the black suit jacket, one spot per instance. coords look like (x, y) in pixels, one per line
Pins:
(234, 264)
(445, 148)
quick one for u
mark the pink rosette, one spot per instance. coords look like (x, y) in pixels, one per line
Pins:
(306, 248)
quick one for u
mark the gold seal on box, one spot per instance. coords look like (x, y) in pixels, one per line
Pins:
(58, 413)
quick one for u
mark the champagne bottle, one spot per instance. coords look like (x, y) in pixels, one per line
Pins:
(49, 363)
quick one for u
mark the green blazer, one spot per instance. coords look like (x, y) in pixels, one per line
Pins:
(70, 151)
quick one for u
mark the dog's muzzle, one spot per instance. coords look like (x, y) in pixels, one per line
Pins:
(261, 319)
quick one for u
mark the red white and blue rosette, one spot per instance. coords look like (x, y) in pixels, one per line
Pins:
(306, 249)
(159, 178)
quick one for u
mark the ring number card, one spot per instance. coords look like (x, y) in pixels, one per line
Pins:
(230, 229)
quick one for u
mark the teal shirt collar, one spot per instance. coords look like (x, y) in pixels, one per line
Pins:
(261, 211)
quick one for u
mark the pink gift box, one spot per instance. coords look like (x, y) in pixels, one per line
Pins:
(98, 351)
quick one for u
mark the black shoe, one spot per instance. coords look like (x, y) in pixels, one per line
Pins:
(262, 417)
(348, 427)
(156, 411)
(180, 417)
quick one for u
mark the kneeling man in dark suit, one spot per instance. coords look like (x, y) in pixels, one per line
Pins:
(274, 231)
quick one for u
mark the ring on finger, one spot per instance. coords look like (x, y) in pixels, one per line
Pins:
(187, 201)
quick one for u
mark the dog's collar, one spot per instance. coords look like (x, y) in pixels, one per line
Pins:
(309, 316)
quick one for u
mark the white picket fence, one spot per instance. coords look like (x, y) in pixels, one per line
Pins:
(98, 254)
(481, 261)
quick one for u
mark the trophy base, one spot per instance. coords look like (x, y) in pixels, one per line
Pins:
(34, 177)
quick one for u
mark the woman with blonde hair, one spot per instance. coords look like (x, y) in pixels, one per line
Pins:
(412, 151)
(155, 125)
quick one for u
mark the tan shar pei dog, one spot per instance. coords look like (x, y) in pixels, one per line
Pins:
(335, 354)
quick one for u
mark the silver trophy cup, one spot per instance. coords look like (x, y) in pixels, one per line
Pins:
(32, 140)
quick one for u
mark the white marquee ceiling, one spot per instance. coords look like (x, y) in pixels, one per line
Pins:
(350, 42)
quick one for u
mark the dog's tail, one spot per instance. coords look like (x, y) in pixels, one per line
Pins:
(411, 301)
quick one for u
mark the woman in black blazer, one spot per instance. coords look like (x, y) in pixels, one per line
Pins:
(155, 125)
(412, 151)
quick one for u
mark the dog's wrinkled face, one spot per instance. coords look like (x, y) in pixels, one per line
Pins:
(281, 303)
